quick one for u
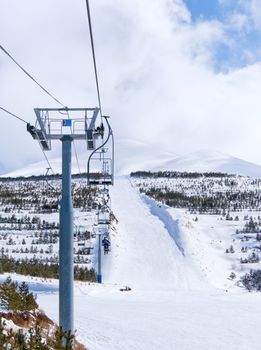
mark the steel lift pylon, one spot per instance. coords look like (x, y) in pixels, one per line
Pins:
(66, 125)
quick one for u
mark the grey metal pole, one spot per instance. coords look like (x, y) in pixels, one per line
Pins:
(66, 319)
(99, 276)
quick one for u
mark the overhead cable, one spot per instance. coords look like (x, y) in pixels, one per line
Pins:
(45, 90)
(93, 54)
(77, 159)
(30, 76)
(13, 115)
(47, 160)
(24, 121)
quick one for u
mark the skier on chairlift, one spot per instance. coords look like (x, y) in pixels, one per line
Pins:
(106, 244)
(100, 129)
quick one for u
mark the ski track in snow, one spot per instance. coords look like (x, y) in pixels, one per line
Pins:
(170, 224)
(144, 255)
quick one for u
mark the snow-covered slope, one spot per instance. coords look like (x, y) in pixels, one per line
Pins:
(136, 155)
(161, 248)
(208, 161)
(129, 155)
(145, 254)
(39, 168)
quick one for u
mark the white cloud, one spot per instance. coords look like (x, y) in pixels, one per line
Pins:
(238, 21)
(253, 10)
(243, 14)
(156, 74)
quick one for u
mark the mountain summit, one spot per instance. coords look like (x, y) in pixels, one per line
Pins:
(212, 161)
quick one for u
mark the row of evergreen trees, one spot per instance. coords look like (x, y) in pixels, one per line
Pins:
(37, 269)
(36, 195)
(178, 174)
(202, 203)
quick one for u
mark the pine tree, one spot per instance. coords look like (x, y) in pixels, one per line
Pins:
(63, 340)
(27, 299)
(231, 249)
(20, 340)
(9, 298)
(35, 340)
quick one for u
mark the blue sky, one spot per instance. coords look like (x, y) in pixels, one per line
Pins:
(243, 43)
(205, 9)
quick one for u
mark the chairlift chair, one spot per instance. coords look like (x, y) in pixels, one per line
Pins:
(104, 218)
(54, 205)
(106, 245)
(100, 167)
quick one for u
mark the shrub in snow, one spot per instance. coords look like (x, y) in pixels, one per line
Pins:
(252, 258)
(232, 275)
(230, 250)
(244, 249)
(258, 237)
(252, 280)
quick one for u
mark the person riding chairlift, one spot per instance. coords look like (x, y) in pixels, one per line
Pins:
(100, 129)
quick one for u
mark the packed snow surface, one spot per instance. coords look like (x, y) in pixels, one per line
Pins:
(155, 320)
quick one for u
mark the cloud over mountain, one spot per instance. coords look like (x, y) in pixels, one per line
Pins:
(157, 71)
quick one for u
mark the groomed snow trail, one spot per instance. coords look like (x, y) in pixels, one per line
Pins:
(144, 255)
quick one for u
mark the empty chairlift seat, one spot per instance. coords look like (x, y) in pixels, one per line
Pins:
(104, 176)
(99, 179)
(90, 139)
(104, 218)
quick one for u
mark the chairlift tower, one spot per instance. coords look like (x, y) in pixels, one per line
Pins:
(67, 125)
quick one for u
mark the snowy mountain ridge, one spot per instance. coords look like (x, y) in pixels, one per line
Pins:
(133, 155)
(129, 155)
(212, 161)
